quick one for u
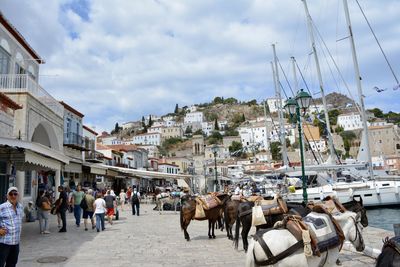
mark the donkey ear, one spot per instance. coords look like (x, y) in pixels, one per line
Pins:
(361, 201)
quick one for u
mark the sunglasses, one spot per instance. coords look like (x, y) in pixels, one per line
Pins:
(13, 194)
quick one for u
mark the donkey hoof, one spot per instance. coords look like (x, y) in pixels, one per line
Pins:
(338, 262)
(213, 236)
(209, 237)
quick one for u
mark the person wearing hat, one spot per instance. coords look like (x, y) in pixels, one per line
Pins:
(29, 212)
(11, 213)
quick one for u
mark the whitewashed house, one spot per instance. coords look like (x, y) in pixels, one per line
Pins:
(350, 121)
(147, 139)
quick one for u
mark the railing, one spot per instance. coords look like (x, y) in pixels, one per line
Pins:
(73, 139)
(23, 83)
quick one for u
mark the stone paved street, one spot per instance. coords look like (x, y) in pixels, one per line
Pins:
(148, 240)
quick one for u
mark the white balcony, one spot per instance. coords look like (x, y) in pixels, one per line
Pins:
(23, 83)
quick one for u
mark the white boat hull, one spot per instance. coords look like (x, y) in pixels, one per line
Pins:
(373, 193)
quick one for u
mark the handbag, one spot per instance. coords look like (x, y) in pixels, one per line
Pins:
(257, 216)
(46, 205)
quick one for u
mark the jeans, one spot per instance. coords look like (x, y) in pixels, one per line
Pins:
(135, 206)
(63, 219)
(9, 255)
(43, 216)
(77, 214)
(100, 221)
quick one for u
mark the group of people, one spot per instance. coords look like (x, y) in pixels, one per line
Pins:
(93, 205)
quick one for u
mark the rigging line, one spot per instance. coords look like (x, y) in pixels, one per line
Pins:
(312, 151)
(276, 130)
(283, 89)
(336, 66)
(377, 41)
(287, 81)
(316, 108)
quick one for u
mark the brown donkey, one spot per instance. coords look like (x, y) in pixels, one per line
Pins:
(188, 210)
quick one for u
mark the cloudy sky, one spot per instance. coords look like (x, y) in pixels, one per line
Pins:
(118, 60)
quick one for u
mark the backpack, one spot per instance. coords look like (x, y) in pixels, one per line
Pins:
(135, 198)
(84, 204)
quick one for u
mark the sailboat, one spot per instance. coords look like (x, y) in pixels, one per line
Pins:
(376, 188)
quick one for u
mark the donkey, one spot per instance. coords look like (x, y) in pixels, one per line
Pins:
(282, 240)
(188, 211)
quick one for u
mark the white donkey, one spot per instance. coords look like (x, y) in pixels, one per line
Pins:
(280, 240)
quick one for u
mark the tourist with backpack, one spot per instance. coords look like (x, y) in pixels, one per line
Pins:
(135, 201)
(87, 207)
(44, 206)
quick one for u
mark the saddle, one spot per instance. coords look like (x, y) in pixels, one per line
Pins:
(324, 230)
(331, 204)
(208, 202)
(273, 206)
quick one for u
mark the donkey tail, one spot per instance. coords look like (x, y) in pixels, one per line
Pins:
(237, 229)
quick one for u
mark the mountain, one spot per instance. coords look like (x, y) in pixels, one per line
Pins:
(336, 100)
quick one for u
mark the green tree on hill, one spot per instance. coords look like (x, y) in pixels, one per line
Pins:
(176, 111)
(275, 148)
(216, 126)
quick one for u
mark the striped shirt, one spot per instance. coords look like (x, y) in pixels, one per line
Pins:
(11, 220)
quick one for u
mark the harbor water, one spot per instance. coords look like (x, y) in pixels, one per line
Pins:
(383, 218)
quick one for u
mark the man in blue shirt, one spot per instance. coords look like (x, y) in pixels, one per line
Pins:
(11, 213)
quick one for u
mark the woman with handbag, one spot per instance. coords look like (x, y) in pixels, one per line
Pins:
(44, 206)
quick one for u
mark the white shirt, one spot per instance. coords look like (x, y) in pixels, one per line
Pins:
(122, 196)
(237, 191)
(100, 206)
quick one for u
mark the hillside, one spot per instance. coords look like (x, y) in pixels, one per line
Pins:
(336, 100)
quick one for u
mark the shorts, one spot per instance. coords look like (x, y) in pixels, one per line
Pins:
(87, 214)
(110, 211)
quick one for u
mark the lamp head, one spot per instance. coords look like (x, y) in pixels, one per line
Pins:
(303, 100)
(291, 106)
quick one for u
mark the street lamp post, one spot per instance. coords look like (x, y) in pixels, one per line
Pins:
(293, 106)
(215, 151)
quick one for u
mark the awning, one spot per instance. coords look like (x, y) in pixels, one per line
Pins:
(146, 174)
(94, 169)
(73, 167)
(111, 173)
(35, 147)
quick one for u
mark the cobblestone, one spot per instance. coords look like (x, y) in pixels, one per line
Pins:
(148, 240)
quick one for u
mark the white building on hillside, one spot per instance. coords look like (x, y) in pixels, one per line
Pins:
(111, 140)
(318, 145)
(131, 124)
(207, 128)
(273, 104)
(193, 117)
(350, 121)
(155, 129)
(147, 139)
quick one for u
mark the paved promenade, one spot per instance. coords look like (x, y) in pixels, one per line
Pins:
(148, 240)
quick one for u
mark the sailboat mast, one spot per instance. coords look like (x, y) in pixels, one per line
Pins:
(282, 138)
(266, 127)
(321, 84)
(359, 87)
(296, 88)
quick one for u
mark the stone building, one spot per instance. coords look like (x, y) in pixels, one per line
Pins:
(34, 151)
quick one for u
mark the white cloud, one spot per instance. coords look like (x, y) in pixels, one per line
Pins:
(125, 59)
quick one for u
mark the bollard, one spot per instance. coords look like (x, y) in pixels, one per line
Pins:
(396, 228)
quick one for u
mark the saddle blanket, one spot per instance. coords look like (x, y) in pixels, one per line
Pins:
(162, 195)
(209, 201)
(323, 229)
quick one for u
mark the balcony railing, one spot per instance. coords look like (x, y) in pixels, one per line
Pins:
(73, 139)
(23, 83)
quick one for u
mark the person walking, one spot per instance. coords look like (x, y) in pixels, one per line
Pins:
(110, 204)
(122, 199)
(76, 199)
(62, 208)
(135, 200)
(11, 213)
(99, 207)
(88, 213)
(43, 206)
